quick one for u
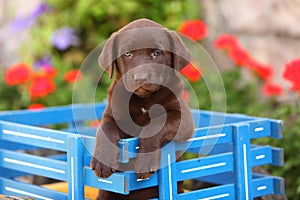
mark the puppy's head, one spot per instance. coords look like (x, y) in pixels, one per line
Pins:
(144, 55)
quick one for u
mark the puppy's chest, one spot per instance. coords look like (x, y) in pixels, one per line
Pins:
(140, 114)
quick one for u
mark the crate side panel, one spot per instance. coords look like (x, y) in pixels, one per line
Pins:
(261, 155)
(224, 192)
(207, 137)
(135, 184)
(15, 146)
(259, 128)
(15, 188)
(204, 166)
(33, 164)
(262, 186)
(55, 115)
(36, 136)
(117, 182)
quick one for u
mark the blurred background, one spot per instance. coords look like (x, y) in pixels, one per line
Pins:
(255, 45)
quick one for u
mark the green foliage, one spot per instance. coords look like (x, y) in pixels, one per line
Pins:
(95, 20)
(246, 98)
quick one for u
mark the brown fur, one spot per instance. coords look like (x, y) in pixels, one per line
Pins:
(141, 76)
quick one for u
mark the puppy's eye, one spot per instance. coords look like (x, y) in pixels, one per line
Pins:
(156, 52)
(127, 54)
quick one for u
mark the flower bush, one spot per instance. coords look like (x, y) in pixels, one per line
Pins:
(247, 99)
(63, 34)
(35, 86)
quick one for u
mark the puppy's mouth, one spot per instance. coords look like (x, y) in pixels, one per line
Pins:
(146, 90)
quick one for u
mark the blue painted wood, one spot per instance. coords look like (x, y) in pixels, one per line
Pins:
(55, 115)
(118, 182)
(75, 168)
(205, 166)
(223, 140)
(9, 173)
(212, 150)
(224, 192)
(278, 185)
(243, 171)
(135, 184)
(261, 155)
(259, 128)
(30, 135)
(276, 129)
(218, 179)
(277, 157)
(262, 186)
(16, 188)
(33, 164)
(167, 173)
(13, 146)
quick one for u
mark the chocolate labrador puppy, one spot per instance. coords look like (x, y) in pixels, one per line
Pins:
(144, 100)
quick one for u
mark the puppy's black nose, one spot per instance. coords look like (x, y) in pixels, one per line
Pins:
(141, 77)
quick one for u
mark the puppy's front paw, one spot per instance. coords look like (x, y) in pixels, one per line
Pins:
(105, 161)
(102, 170)
(146, 164)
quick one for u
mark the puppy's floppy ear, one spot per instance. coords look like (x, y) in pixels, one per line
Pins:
(181, 55)
(108, 55)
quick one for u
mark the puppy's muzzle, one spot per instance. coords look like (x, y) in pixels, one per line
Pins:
(141, 78)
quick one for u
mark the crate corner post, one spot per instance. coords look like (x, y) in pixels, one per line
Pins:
(75, 168)
(243, 170)
(167, 176)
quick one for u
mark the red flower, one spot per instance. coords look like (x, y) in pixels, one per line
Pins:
(239, 55)
(72, 76)
(41, 86)
(191, 72)
(272, 89)
(265, 72)
(36, 106)
(292, 74)
(226, 41)
(195, 29)
(18, 74)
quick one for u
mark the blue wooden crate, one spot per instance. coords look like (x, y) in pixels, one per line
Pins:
(225, 138)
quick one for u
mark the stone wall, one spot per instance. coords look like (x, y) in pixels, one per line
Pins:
(268, 29)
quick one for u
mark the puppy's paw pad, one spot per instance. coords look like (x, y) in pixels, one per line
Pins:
(100, 169)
